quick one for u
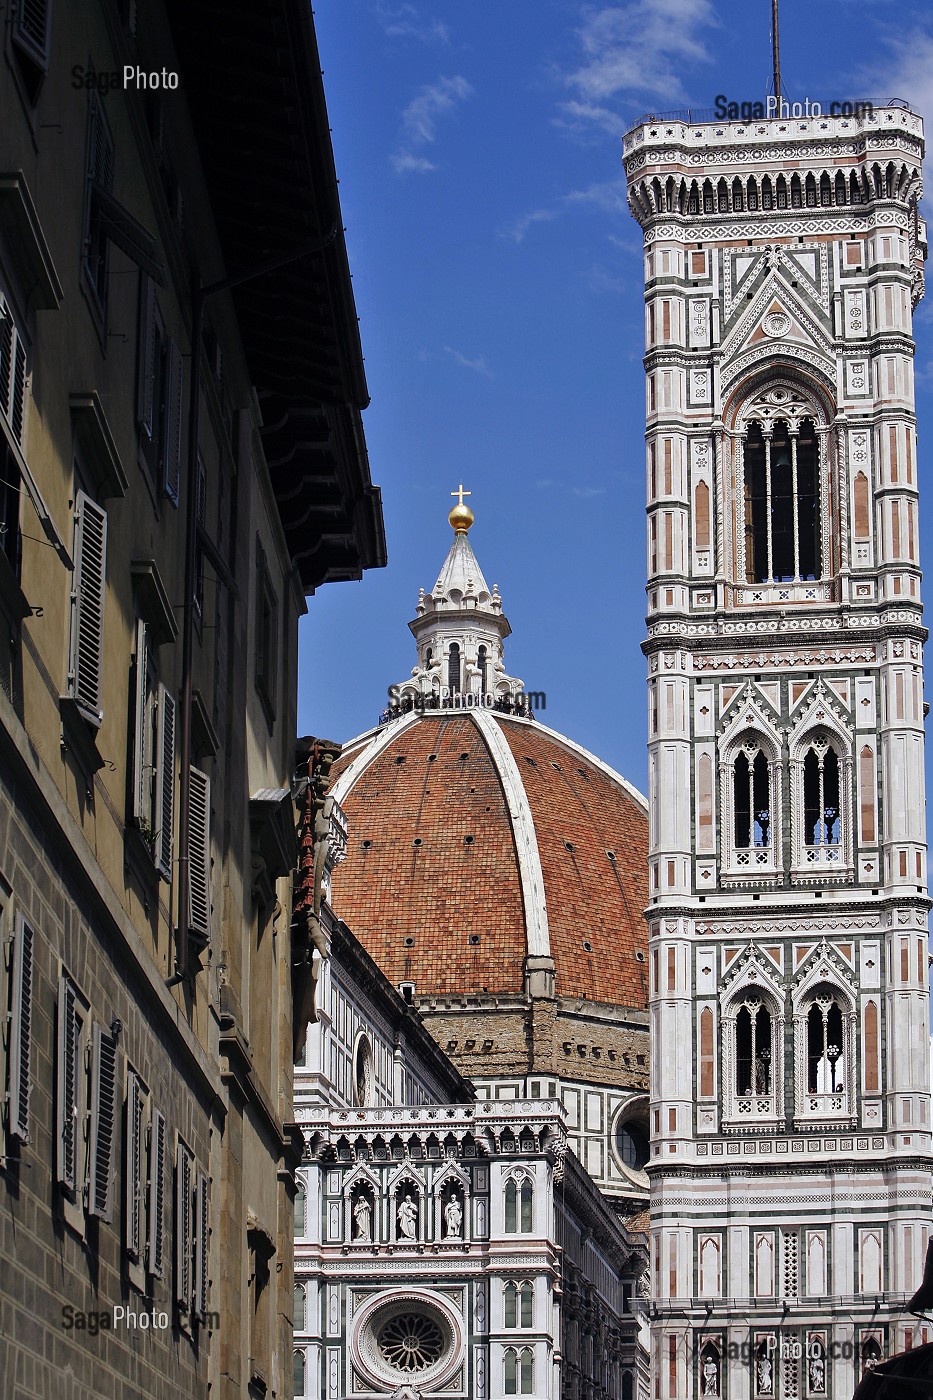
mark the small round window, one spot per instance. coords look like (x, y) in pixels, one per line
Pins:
(633, 1145)
(363, 1072)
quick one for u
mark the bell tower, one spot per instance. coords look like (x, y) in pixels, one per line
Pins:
(790, 1100)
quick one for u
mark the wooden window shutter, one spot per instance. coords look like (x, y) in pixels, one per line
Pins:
(201, 1245)
(164, 805)
(142, 759)
(146, 406)
(156, 1212)
(133, 1167)
(87, 643)
(67, 1099)
(103, 1123)
(12, 373)
(31, 30)
(183, 1164)
(173, 403)
(199, 855)
(21, 1030)
(100, 155)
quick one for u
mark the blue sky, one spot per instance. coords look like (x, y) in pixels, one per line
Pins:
(498, 281)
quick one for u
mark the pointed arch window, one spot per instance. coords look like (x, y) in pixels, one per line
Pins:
(752, 1074)
(825, 1055)
(782, 504)
(482, 661)
(453, 668)
(751, 798)
(753, 1049)
(822, 819)
(519, 1206)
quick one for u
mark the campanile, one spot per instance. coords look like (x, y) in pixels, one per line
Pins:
(790, 1100)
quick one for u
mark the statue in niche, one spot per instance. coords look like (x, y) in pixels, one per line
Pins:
(407, 1218)
(817, 1368)
(765, 1380)
(453, 1219)
(363, 1220)
(710, 1375)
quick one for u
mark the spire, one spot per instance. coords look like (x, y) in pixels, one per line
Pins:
(460, 629)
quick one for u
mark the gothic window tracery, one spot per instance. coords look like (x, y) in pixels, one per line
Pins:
(825, 1055)
(752, 1035)
(821, 773)
(519, 1202)
(749, 826)
(782, 503)
(453, 668)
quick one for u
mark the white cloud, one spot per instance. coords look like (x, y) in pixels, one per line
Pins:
(639, 50)
(579, 116)
(516, 232)
(404, 163)
(903, 67)
(420, 118)
(587, 493)
(608, 195)
(479, 365)
(404, 22)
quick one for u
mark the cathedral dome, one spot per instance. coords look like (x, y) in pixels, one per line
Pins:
(485, 848)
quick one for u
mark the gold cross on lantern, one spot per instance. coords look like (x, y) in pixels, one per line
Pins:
(460, 493)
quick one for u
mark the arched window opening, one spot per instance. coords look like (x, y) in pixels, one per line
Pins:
(525, 1208)
(482, 661)
(511, 1372)
(299, 1212)
(298, 1375)
(527, 1297)
(429, 658)
(782, 521)
(752, 195)
(767, 196)
(751, 788)
(627, 1386)
(826, 189)
(453, 668)
(842, 196)
(753, 1049)
(738, 195)
(298, 1309)
(527, 1369)
(821, 809)
(825, 1051)
(511, 1308)
(518, 1206)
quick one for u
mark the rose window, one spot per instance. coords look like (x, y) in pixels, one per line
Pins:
(410, 1342)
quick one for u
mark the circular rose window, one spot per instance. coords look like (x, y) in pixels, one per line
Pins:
(410, 1342)
(416, 1337)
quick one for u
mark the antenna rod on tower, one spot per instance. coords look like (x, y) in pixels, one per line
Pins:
(776, 45)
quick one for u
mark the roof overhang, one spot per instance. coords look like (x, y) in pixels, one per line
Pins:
(254, 88)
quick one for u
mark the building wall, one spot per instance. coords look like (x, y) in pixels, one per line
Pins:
(79, 853)
(790, 1174)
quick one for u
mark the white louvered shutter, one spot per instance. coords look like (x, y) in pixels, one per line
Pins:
(183, 1241)
(156, 1212)
(31, 29)
(12, 372)
(173, 403)
(201, 1245)
(103, 1124)
(67, 1098)
(164, 804)
(146, 406)
(142, 765)
(87, 639)
(21, 1030)
(133, 1168)
(199, 855)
